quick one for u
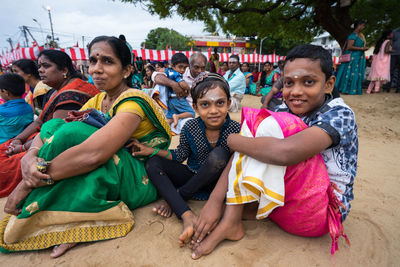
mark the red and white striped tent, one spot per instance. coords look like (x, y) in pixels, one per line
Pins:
(77, 53)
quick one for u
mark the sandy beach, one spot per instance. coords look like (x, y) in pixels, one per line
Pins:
(372, 225)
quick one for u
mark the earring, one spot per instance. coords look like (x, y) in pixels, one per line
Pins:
(125, 77)
(65, 76)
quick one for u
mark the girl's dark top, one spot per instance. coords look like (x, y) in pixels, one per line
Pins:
(194, 145)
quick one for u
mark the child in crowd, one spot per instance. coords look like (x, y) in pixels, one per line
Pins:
(202, 144)
(15, 113)
(295, 166)
(159, 66)
(177, 108)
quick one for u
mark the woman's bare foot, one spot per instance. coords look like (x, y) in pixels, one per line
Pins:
(175, 117)
(162, 208)
(61, 249)
(16, 196)
(230, 227)
(189, 220)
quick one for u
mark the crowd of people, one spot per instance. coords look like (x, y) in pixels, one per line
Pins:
(77, 157)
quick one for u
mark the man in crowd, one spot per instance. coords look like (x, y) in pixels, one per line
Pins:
(197, 64)
(394, 64)
(236, 81)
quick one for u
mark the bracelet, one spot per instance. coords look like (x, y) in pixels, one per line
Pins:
(169, 153)
(42, 166)
(155, 152)
(48, 181)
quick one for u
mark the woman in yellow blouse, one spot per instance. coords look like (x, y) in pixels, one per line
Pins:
(86, 184)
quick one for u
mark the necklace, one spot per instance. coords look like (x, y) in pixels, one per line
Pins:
(212, 142)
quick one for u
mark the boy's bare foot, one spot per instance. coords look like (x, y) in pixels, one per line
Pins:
(61, 249)
(162, 208)
(226, 229)
(189, 219)
(175, 119)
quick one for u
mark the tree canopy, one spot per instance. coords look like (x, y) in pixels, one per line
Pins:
(296, 20)
(160, 38)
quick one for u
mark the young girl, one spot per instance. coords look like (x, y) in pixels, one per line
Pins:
(316, 138)
(202, 143)
(380, 67)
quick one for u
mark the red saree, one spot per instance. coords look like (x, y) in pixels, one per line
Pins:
(77, 92)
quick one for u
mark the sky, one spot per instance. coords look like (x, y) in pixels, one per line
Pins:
(73, 19)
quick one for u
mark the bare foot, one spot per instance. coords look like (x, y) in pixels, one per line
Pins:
(226, 229)
(16, 196)
(176, 119)
(162, 208)
(189, 219)
(61, 249)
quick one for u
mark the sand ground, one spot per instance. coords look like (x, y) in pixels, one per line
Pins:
(372, 226)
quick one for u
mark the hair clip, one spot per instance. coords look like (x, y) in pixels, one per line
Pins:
(204, 75)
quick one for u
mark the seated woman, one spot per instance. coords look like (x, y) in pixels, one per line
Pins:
(223, 69)
(267, 78)
(68, 93)
(248, 75)
(148, 82)
(92, 183)
(28, 69)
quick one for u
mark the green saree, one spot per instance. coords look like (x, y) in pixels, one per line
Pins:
(88, 207)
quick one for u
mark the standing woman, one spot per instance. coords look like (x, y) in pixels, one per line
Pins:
(380, 67)
(28, 69)
(351, 74)
(68, 93)
(91, 183)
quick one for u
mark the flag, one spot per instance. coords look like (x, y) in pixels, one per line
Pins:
(77, 44)
(18, 46)
(34, 43)
(144, 45)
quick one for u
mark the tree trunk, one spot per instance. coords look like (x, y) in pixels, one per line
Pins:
(335, 20)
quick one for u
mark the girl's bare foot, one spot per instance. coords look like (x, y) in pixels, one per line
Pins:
(189, 219)
(162, 208)
(176, 119)
(61, 249)
(226, 229)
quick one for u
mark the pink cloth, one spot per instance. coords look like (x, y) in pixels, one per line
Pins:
(311, 208)
(380, 67)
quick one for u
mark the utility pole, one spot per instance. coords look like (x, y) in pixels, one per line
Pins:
(23, 29)
(51, 23)
(11, 44)
(259, 63)
(30, 34)
(41, 30)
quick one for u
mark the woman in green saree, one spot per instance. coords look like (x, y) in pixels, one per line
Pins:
(87, 190)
